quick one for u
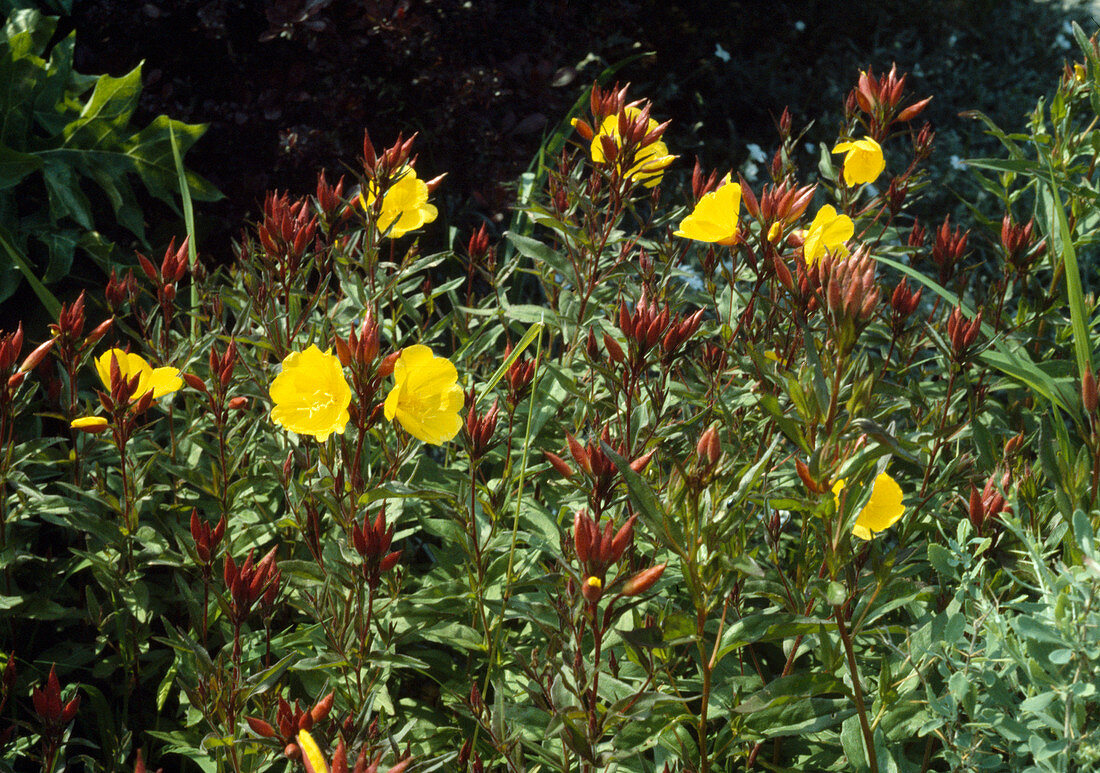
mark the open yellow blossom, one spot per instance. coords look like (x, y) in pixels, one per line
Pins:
(828, 231)
(863, 161)
(311, 395)
(714, 218)
(160, 381)
(426, 398)
(649, 162)
(405, 205)
(882, 510)
(311, 753)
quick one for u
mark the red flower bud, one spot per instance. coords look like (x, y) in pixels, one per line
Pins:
(643, 580)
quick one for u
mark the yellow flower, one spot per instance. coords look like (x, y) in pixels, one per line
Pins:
(311, 753)
(882, 510)
(863, 161)
(161, 381)
(92, 424)
(311, 395)
(426, 398)
(828, 231)
(649, 162)
(405, 205)
(714, 218)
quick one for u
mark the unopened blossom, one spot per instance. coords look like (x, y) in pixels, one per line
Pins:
(312, 757)
(714, 218)
(828, 231)
(426, 398)
(311, 395)
(650, 160)
(160, 381)
(91, 424)
(863, 161)
(882, 510)
(405, 204)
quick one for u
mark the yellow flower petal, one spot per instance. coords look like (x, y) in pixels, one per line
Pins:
(92, 424)
(828, 231)
(649, 162)
(405, 205)
(426, 398)
(863, 160)
(714, 218)
(883, 508)
(311, 395)
(162, 381)
(311, 753)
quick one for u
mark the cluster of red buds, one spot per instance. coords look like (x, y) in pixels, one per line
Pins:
(372, 542)
(289, 720)
(11, 346)
(597, 550)
(1017, 240)
(709, 447)
(392, 160)
(596, 465)
(330, 199)
(120, 290)
(713, 356)
(172, 268)
(845, 286)
(989, 503)
(221, 369)
(206, 539)
(780, 204)
(55, 716)
(903, 302)
(251, 582)
(647, 326)
(962, 333)
(518, 378)
(359, 352)
(948, 249)
(68, 333)
(632, 129)
(362, 346)
(286, 232)
(879, 99)
(480, 427)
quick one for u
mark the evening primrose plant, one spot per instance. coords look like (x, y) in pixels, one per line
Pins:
(732, 476)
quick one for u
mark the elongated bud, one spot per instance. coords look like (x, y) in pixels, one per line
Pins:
(582, 536)
(260, 727)
(643, 580)
(1088, 392)
(36, 356)
(709, 449)
(100, 331)
(386, 368)
(614, 351)
(558, 464)
(622, 539)
(580, 455)
(321, 709)
(808, 479)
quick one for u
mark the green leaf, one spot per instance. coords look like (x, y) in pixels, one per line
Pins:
(1081, 346)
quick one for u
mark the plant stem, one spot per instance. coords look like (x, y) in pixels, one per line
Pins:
(857, 690)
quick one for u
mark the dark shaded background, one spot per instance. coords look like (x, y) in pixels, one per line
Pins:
(288, 86)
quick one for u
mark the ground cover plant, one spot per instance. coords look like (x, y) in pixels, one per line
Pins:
(756, 476)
